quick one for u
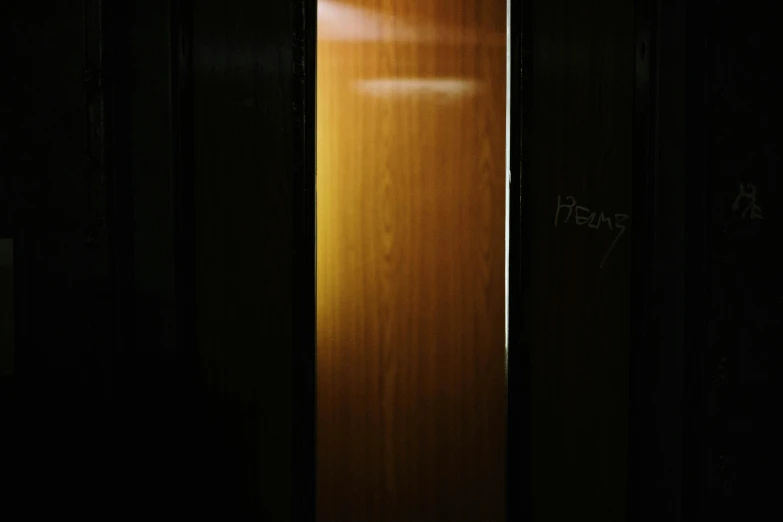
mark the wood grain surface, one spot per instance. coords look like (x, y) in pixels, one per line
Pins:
(410, 279)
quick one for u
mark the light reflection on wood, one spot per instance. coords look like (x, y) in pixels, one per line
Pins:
(411, 152)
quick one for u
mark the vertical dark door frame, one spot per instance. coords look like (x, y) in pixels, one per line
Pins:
(304, 313)
(643, 350)
(183, 168)
(518, 448)
(698, 187)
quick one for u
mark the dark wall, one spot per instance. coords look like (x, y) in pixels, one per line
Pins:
(244, 166)
(205, 129)
(659, 345)
(55, 206)
(742, 301)
(155, 400)
(578, 281)
(705, 440)
(150, 195)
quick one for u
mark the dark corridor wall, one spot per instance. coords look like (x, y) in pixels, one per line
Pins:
(245, 155)
(735, 433)
(135, 389)
(53, 203)
(578, 177)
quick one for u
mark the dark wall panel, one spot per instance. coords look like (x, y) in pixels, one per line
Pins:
(658, 353)
(743, 305)
(578, 294)
(160, 457)
(243, 164)
(127, 160)
(54, 205)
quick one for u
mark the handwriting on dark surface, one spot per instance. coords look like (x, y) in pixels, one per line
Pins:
(584, 217)
(745, 202)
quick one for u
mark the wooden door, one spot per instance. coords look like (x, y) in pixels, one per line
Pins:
(410, 260)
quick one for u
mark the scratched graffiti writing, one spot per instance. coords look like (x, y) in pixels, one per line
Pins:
(745, 202)
(584, 217)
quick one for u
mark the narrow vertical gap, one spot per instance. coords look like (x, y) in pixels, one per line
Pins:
(6, 307)
(304, 24)
(508, 163)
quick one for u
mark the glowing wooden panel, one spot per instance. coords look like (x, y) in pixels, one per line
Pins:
(411, 152)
